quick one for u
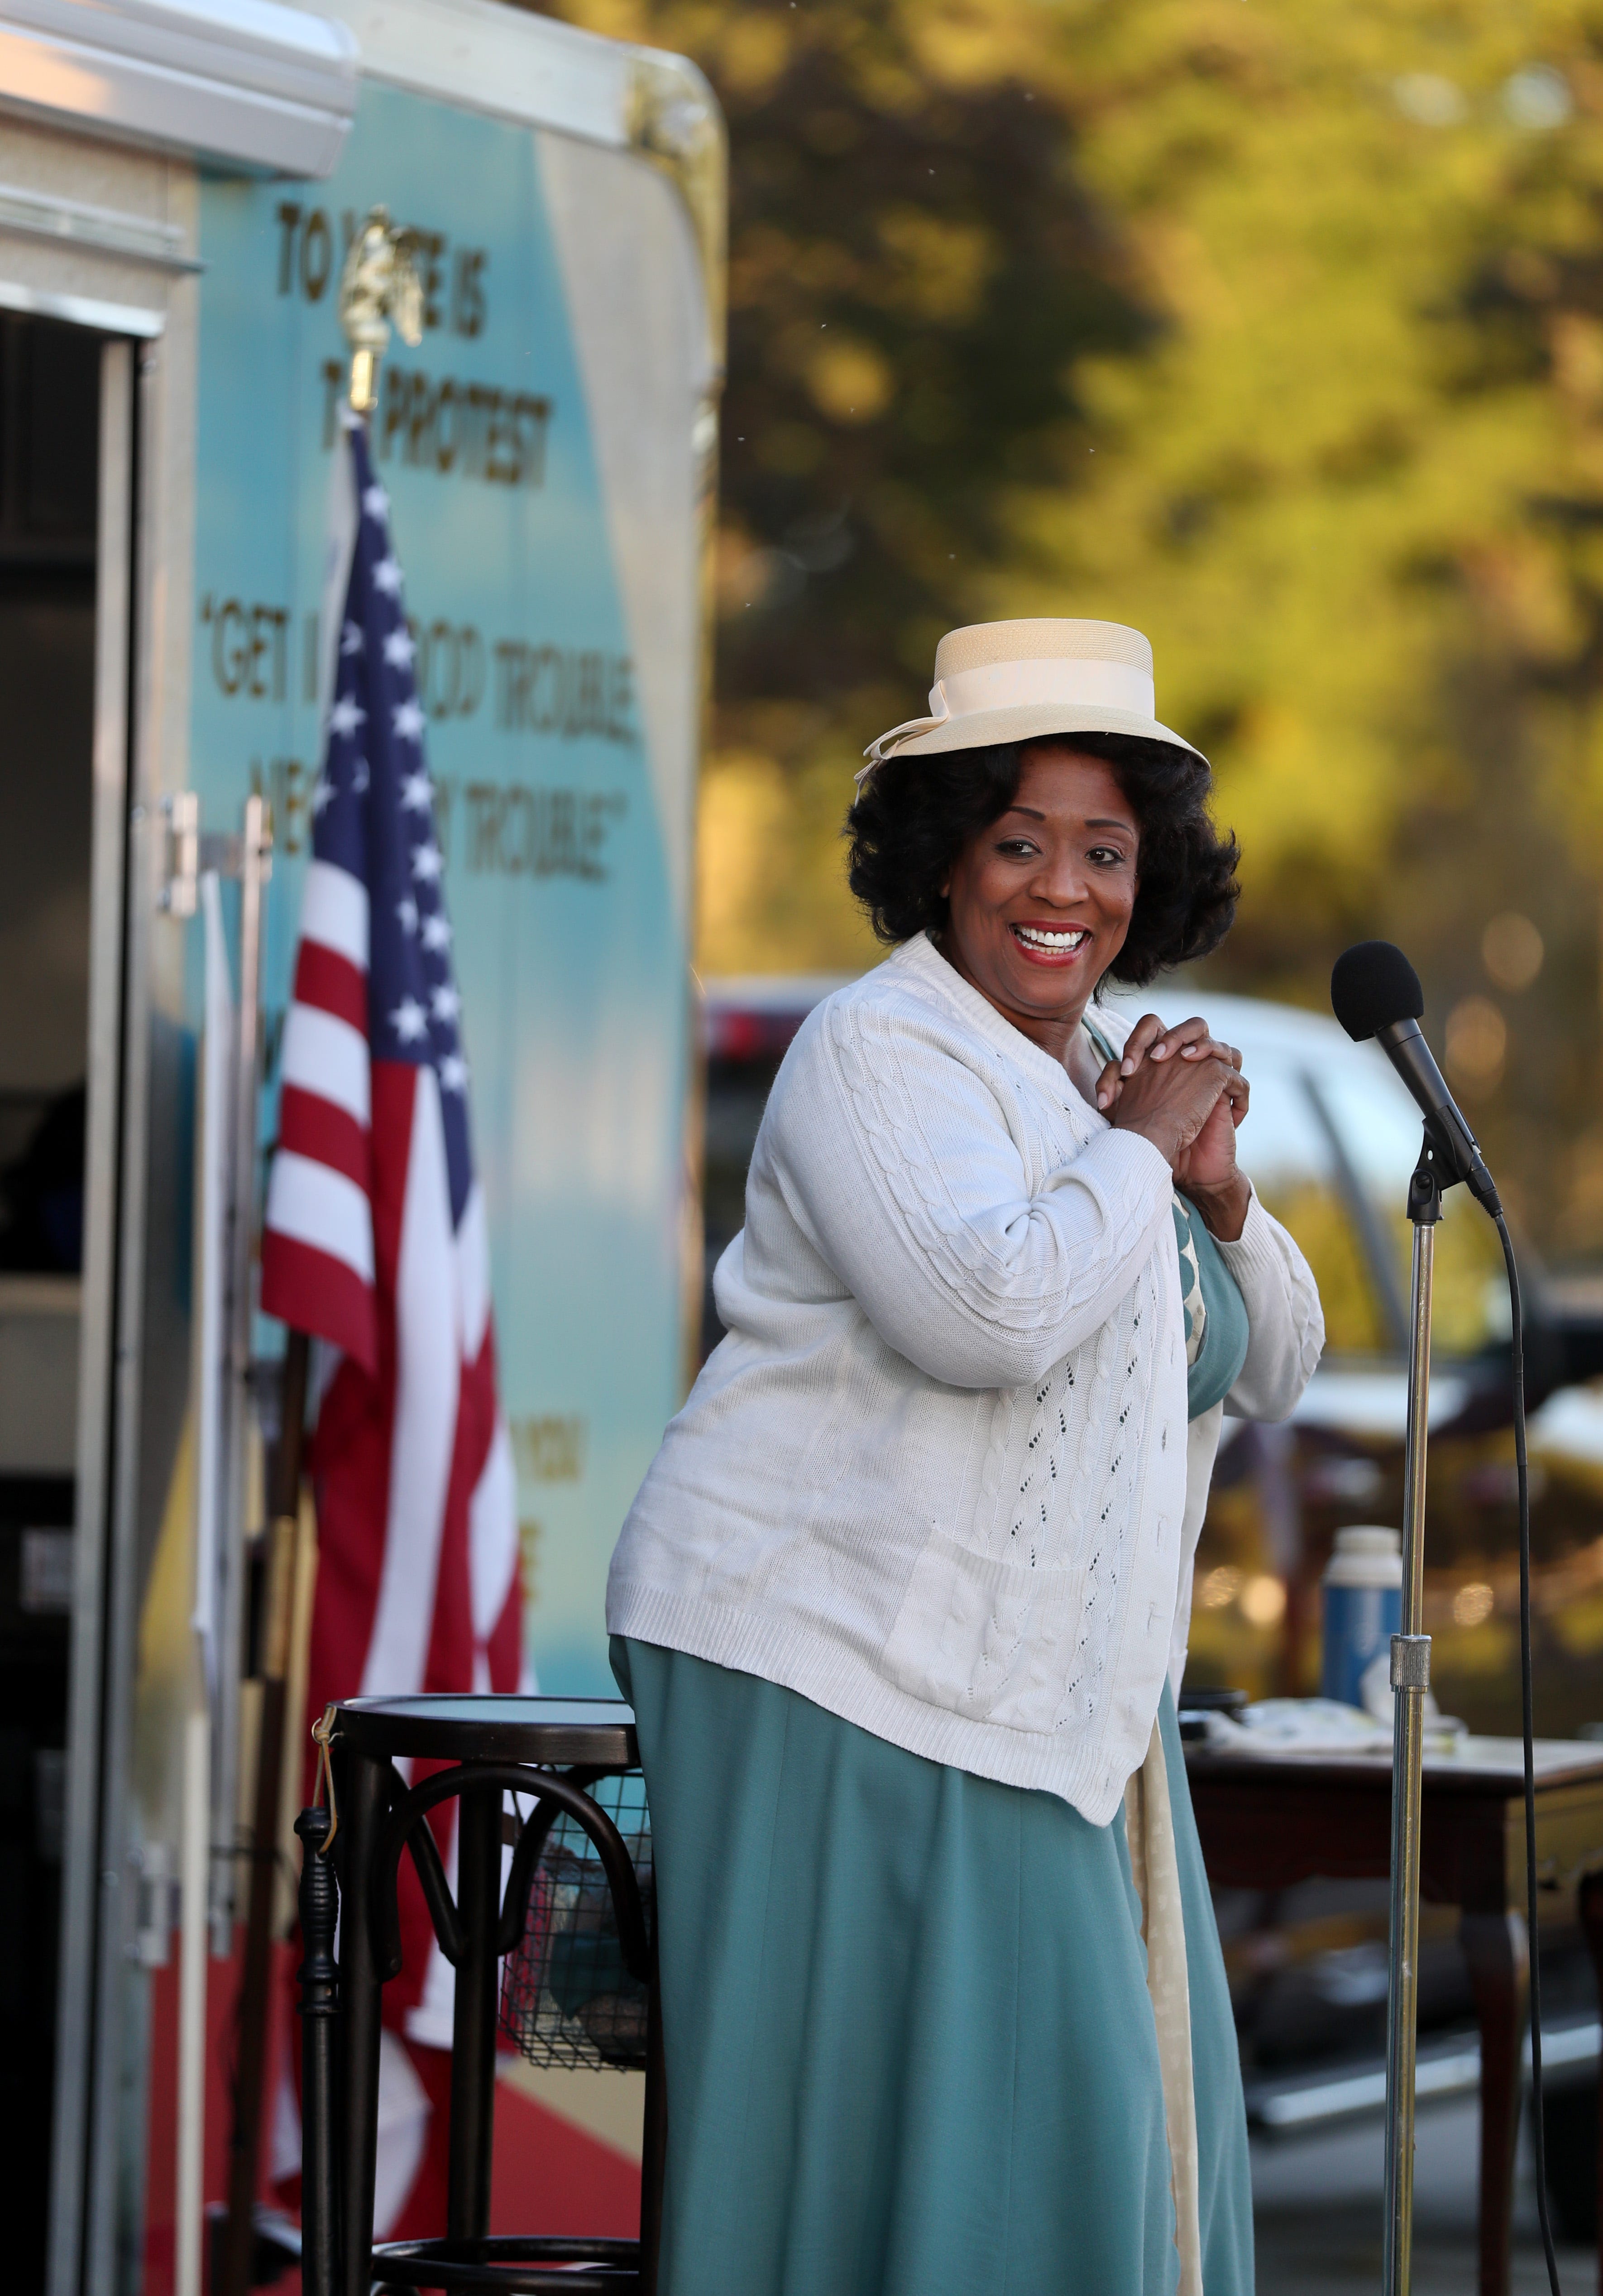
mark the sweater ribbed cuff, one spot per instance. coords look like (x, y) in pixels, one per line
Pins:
(1254, 1256)
(1148, 1165)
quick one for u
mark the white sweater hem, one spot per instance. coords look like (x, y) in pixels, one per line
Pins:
(1081, 1768)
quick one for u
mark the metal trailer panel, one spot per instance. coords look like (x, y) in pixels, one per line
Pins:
(498, 62)
(83, 1815)
(99, 236)
(248, 82)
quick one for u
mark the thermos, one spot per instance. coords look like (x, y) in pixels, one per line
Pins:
(1363, 1590)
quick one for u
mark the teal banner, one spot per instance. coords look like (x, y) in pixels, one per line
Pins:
(559, 871)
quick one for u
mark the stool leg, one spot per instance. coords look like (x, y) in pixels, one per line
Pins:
(319, 2008)
(1592, 1925)
(1497, 1949)
(362, 1790)
(654, 2149)
(473, 2024)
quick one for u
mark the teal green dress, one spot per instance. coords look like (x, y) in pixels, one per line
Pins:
(911, 2049)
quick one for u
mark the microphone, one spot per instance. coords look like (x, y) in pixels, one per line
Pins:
(1375, 992)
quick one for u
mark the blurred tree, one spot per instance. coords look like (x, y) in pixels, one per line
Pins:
(1276, 332)
(915, 267)
(1348, 491)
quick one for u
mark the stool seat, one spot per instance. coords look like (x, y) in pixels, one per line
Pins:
(597, 1733)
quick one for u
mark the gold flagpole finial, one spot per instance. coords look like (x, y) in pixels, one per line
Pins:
(380, 283)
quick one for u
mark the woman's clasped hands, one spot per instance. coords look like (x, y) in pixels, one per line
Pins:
(1182, 1089)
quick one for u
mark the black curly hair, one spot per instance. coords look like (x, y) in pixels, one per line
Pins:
(914, 815)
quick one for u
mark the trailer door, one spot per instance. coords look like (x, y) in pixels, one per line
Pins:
(66, 478)
(66, 475)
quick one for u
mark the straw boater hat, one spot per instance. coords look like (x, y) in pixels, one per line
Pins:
(1021, 681)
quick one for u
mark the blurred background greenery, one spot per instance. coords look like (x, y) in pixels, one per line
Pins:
(1276, 332)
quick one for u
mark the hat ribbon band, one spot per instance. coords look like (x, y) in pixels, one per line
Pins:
(1057, 682)
(880, 747)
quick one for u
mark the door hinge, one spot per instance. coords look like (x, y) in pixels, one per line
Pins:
(188, 852)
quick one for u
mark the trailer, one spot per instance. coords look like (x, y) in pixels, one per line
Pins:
(179, 183)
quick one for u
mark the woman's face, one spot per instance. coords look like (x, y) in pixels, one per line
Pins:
(1039, 900)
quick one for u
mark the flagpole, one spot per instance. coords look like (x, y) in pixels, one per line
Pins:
(213, 1158)
(380, 283)
(244, 2166)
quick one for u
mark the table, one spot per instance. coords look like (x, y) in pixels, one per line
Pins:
(1270, 1818)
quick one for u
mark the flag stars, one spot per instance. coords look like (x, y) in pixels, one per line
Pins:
(409, 1021)
(374, 809)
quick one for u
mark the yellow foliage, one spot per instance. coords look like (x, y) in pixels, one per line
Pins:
(753, 51)
(1579, 1626)
(1468, 1293)
(1473, 1655)
(939, 267)
(849, 380)
(1321, 1225)
(769, 841)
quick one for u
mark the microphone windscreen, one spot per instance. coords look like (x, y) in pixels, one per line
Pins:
(1372, 984)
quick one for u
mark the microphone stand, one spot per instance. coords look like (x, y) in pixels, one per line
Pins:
(1439, 1168)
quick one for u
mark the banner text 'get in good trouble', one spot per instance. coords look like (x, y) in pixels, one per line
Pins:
(562, 690)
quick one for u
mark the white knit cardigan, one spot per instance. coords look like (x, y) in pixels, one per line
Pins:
(939, 1477)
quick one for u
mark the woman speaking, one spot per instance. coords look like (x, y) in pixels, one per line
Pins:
(903, 1599)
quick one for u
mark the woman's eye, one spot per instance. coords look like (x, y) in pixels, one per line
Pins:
(1107, 855)
(1017, 847)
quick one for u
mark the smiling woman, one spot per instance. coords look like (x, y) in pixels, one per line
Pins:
(916, 814)
(903, 1599)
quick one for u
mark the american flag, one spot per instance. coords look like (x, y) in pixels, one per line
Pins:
(375, 1236)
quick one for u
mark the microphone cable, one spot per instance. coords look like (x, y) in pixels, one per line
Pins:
(1522, 1471)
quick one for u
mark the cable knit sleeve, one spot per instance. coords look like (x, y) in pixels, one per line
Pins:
(1286, 1325)
(894, 1157)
